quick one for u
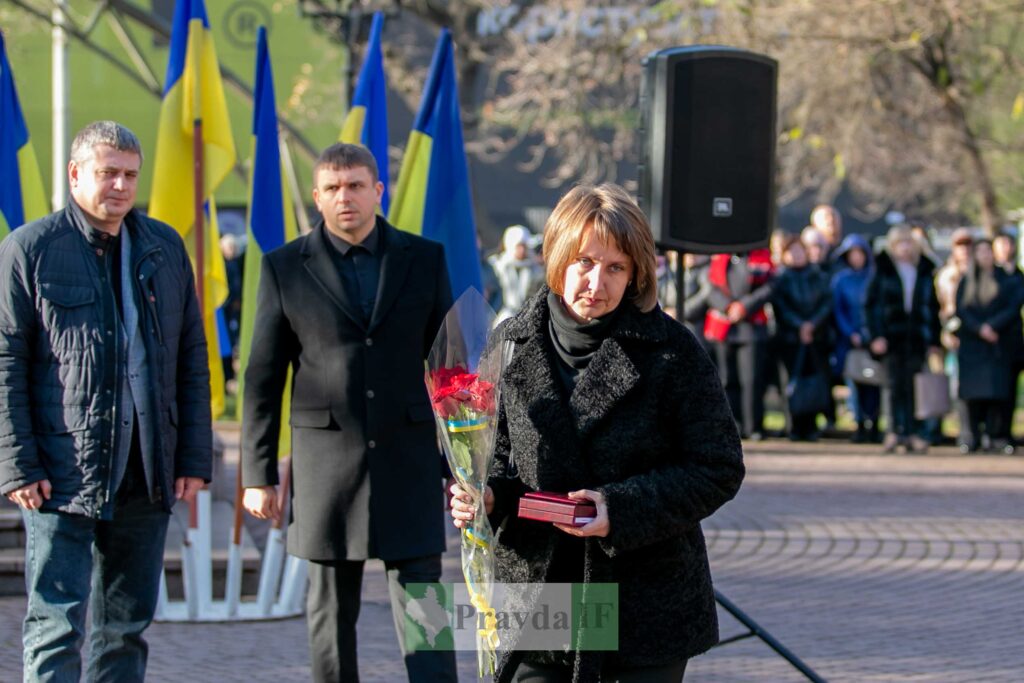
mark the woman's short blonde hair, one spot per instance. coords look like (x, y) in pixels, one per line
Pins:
(902, 233)
(616, 219)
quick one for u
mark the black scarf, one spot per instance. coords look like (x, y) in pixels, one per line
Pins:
(574, 342)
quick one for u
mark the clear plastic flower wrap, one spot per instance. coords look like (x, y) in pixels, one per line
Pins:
(463, 375)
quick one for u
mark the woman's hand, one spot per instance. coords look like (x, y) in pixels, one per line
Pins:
(806, 332)
(463, 507)
(600, 526)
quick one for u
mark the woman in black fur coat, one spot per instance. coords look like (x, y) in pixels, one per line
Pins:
(609, 399)
(902, 316)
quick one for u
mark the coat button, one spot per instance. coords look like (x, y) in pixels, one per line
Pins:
(371, 443)
(369, 393)
(369, 342)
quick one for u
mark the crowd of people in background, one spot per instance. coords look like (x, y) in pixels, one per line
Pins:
(911, 339)
(819, 316)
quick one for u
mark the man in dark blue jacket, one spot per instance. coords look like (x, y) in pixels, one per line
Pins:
(106, 409)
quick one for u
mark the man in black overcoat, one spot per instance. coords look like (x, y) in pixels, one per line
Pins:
(352, 309)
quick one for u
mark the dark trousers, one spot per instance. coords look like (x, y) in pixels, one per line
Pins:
(1009, 405)
(991, 413)
(801, 426)
(902, 368)
(668, 673)
(111, 566)
(332, 606)
(864, 402)
(742, 369)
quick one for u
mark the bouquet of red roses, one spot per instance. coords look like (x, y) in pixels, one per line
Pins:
(463, 373)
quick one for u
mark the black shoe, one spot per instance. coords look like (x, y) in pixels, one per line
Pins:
(861, 435)
(874, 435)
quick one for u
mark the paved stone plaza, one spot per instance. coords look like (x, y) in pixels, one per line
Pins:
(868, 567)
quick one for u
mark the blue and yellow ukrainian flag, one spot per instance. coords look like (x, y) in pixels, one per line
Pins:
(194, 94)
(433, 196)
(21, 192)
(367, 120)
(271, 220)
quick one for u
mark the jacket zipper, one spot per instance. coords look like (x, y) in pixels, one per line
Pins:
(114, 433)
(113, 412)
(114, 441)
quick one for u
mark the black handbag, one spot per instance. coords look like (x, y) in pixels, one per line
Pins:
(807, 394)
(861, 367)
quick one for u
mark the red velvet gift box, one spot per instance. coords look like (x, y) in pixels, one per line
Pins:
(556, 507)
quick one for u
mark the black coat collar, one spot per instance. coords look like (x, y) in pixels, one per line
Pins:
(394, 267)
(609, 377)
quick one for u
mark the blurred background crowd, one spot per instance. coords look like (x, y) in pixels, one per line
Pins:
(889, 341)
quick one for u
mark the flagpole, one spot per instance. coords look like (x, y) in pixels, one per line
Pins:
(197, 193)
(195, 528)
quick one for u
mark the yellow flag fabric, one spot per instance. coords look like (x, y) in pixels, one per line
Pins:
(215, 293)
(194, 102)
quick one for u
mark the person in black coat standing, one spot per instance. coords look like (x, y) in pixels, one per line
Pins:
(609, 399)
(352, 309)
(1004, 248)
(802, 303)
(987, 305)
(903, 324)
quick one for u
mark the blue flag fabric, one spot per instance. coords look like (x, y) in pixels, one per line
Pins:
(367, 120)
(433, 197)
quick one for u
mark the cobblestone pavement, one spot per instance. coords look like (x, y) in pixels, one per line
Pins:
(868, 567)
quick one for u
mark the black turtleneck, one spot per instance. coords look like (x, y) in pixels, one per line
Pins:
(575, 343)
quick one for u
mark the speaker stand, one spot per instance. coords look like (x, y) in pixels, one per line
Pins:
(755, 630)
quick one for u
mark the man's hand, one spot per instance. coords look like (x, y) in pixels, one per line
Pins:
(186, 488)
(31, 496)
(261, 502)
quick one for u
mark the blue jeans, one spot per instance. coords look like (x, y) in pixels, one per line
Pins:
(113, 567)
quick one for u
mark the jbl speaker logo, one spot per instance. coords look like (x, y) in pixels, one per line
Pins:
(721, 207)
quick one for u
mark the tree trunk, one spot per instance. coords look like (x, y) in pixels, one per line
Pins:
(990, 214)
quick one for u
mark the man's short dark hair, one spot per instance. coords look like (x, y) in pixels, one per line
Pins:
(110, 133)
(346, 155)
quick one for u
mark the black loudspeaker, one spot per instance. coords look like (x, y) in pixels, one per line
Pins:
(707, 160)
